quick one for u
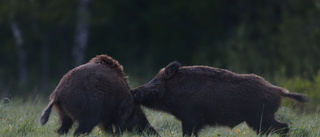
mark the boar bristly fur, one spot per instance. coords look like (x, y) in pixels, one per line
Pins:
(202, 95)
(96, 93)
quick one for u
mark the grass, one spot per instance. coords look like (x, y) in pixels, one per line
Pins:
(22, 118)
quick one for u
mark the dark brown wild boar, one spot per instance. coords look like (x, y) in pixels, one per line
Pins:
(201, 95)
(96, 93)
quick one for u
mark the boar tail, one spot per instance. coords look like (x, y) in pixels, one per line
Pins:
(46, 113)
(296, 96)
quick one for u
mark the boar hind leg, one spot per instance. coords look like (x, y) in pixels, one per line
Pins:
(64, 120)
(277, 127)
(85, 126)
(66, 123)
(268, 125)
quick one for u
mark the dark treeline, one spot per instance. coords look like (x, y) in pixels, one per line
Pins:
(40, 40)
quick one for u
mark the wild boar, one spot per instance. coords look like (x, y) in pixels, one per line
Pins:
(202, 95)
(96, 93)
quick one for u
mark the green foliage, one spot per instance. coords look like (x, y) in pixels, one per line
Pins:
(22, 118)
(308, 87)
(263, 37)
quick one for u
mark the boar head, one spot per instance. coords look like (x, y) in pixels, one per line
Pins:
(153, 93)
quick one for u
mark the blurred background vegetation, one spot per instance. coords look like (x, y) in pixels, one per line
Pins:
(40, 40)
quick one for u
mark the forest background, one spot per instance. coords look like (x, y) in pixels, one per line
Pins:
(40, 40)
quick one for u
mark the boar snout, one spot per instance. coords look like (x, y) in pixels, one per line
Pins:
(143, 95)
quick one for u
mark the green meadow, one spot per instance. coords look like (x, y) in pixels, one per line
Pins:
(22, 118)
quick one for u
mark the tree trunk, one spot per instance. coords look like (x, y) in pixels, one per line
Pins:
(23, 69)
(82, 32)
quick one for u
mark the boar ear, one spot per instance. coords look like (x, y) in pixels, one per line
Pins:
(171, 69)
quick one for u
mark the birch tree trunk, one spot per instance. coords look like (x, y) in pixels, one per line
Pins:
(82, 32)
(23, 68)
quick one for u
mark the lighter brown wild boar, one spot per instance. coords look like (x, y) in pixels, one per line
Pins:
(96, 93)
(202, 95)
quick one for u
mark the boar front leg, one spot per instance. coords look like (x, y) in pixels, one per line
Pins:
(190, 125)
(189, 128)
